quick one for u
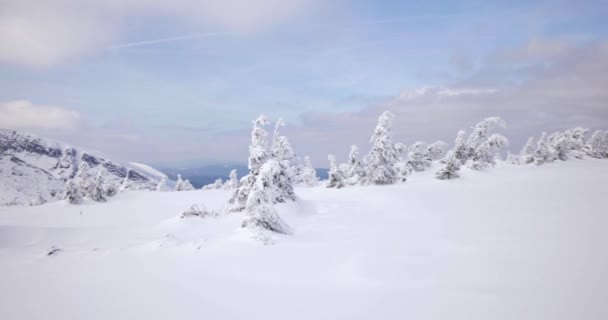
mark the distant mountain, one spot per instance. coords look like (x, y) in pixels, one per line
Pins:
(34, 170)
(207, 174)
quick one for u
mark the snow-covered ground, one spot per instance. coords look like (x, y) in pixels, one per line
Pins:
(508, 243)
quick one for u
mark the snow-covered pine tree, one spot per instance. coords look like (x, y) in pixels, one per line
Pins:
(335, 177)
(419, 156)
(355, 171)
(308, 175)
(594, 146)
(259, 208)
(233, 181)
(72, 192)
(479, 136)
(435, 150)
(559, 146)
(402, 166)
(282, 152)
(575, 141)
(381, 160)
(460, 147)
(187, 186)
(526, 156)
(258, 154)
(162, 184)
(451, 165)
(179, 185)
(217, 184)
(542, 154)
(486, 152)
(96, 191)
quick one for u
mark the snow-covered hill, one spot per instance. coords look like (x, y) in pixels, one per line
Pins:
(34, 170)
(514, 242)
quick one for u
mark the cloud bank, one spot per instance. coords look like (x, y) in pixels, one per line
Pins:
(24, 115)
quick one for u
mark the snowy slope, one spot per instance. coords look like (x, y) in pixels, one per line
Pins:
(34, 170)
(508, 243)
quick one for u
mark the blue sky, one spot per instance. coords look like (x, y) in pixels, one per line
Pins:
(176, 81)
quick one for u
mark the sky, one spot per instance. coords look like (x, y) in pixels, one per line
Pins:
(178, 82)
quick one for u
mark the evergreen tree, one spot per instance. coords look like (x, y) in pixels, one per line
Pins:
(308, 175)
(480, 133)
(460, 147)
(559, 146)
(419, 156)
(258, 154)
(451, 165)
(259, 208)
(72, 192)
(542, 154)
(96, 191)
(162, 184)
(187, 186)
(594, 146)
(179, 185)
(283, 154)
(380, 162)
(435, 150)
(217, 184)
(486, 152)
(526, 156)
(335, 176)
(355, 171)
(233, 181)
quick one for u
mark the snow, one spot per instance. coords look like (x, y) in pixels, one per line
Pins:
(144, 168)
(512, 242)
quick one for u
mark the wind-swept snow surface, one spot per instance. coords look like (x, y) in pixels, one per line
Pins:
(516, 242)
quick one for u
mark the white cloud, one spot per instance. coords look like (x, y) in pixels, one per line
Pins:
(22, 114)
(46, 33)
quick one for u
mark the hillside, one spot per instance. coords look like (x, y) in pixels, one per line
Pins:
(34, 170)
(514, 242)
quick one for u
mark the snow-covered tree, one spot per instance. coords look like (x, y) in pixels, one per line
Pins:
(354, 171)
(402, 166)
(451, 165)
(335, 175)
(480, 133)
(259, 208)
(179, 184)
(282, 152)
(486, 152)
(559, 146)
(526, 156)
(594, 146)
(258, 154)
(162, 184)
(72, 192)
(381, 160)
(217, 184)
(481, 148)
(96, 191)
(435, 150)
(187, 186)
(308, 174)
(233, 181)
(460, 147)
(542, 153)
(575, 141)
(419, 156)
